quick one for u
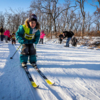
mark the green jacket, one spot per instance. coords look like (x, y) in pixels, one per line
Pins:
(21, 39)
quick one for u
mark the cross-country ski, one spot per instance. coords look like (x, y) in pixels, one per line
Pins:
(30, 78)
(42, 75)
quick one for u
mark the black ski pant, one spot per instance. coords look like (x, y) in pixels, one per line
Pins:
(2, 37)
(41, 41)
(60, 41)
(28, 50)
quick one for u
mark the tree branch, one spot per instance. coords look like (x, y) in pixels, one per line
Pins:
(92, 4)
(63, 10)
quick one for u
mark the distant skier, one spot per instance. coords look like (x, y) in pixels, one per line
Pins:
(7, 34)
(41, 37)
(60, 38)
(28, 34)
(67, 35)
(1, 33)
(13, 38)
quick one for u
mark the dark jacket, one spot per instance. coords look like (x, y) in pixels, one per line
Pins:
(68, 34)
(60, 36)
(1, 31)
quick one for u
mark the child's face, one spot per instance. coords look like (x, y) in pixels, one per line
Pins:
(32, 24)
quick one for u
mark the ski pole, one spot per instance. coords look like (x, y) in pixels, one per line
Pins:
(35, 46)
(35, 49)
(15, 52)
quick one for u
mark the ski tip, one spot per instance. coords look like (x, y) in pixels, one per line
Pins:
(34, 85)
(49, 82)
(53, 84)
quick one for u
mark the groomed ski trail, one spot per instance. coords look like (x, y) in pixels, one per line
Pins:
(75, 71)
(14, 84)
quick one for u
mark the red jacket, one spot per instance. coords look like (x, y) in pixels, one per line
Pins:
(42, 35)
(7, 33)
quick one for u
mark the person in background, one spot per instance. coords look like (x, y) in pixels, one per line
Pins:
(7, 34)
(1, 33)
(13, 38)
(60, 38)
(68, 35)
(74, 41)
(9, 38)
(42, 34)
(27, 35)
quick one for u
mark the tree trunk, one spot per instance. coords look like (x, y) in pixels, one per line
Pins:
(82, 33)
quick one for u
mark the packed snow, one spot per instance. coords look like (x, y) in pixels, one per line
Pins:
(75, 71)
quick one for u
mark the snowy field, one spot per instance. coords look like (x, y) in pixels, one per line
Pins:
(75, 71)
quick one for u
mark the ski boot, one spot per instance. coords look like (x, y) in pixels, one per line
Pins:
(24, 65)
(34, 65)
(66, 46)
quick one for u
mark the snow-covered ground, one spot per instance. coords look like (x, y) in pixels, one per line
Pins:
(75, 71)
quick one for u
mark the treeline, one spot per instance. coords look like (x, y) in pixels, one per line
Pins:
(55, 18)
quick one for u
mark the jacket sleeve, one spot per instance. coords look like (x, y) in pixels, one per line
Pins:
(37, 36)
(20, 34)
(65, 35)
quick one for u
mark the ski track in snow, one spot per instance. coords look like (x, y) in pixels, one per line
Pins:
(75, 71)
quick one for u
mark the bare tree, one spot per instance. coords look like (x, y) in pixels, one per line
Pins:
(2, 20)
(89, 22)
(55, 18)
(51, 8)
(14, 19)
(81, 5)
(96, 13)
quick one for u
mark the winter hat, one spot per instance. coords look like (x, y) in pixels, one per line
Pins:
(32, 17)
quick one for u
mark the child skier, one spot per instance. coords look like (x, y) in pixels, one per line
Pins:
(41, 37)
(26, 35)
(13, 38)
(7, 34)
(60, 38)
